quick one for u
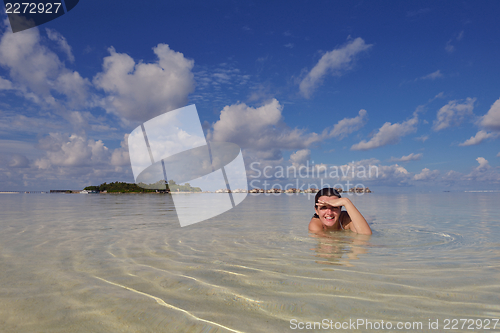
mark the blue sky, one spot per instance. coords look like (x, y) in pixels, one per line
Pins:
(409, 87)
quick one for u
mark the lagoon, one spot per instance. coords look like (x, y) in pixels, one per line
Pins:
(122, 263)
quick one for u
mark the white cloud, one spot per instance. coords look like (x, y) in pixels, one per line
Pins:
(5, 84)
(13, 123)
(11, 161)
(478, 138)
(334, 62)
(422, 138)
(271, 156)
(12, 147)
(393, 175)
(220, 84)
(491, 119)
(259, 128)
(36, 71)
(480, 176)
(453, 113)
(407, 158)
(59, 160)
(29, 62)
(289, 45)
(432, 76)
(18, 161)
(73, 85)
(120, 156)
(483, 172)
(72, 151)
(61, 41)
(448, 47)
(388, 134)
(483, 163)
(440, 95)
(300, 157)
(349, 125)
(426, 175)
(142, 91)
(451, 48)
(260, 93)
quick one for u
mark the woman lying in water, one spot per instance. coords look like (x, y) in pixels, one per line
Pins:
(330, 216)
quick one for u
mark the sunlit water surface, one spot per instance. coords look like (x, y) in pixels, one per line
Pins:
(122, 263)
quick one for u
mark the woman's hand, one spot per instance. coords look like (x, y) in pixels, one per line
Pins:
(332, 201)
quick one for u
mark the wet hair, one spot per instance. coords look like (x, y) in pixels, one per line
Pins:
(326, 192)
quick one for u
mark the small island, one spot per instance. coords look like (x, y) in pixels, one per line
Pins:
(121, 187)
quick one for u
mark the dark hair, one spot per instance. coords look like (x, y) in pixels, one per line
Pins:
(327, 192)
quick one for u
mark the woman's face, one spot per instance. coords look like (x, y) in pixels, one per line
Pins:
(328, 215)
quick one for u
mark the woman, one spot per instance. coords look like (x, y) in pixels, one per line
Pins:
(330, 217)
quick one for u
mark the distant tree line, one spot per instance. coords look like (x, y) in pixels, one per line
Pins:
(119, 187)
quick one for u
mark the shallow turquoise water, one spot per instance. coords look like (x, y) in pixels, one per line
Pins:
(122, 263)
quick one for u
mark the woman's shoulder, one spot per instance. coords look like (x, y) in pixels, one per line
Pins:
(315, 225)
